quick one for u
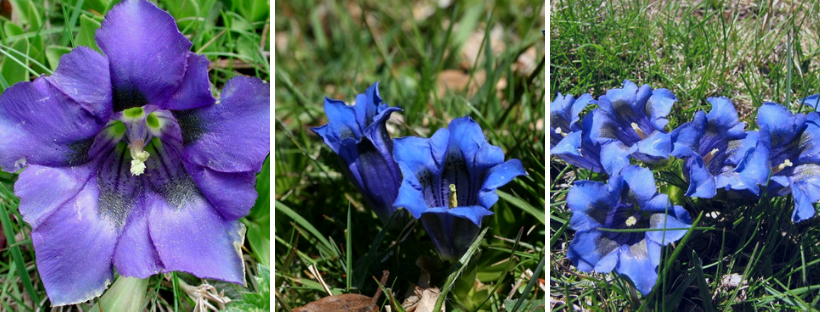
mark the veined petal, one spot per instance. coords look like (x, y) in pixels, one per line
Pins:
(190, 235)
(147, 53)
(234, 135)
(74, 248)
(411, 193)
(452, 235)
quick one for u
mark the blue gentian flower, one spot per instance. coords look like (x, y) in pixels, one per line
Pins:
(794, 155)
(718, 153)
(358, 134)
(630, 122)
(812, 101)
(569, 139)
(129, 160)
(628, 201)
(449, 182)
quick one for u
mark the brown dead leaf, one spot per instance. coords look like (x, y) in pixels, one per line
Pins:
(345, 302)
(456, 81)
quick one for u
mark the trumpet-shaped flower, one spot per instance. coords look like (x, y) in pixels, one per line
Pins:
(718, 153)
(569, 138)
(630, 122)
(449, 182)
(793, 155)
(129, 160)
(357, 133)
(629, 201)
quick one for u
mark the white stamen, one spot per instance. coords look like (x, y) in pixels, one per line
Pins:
(786, 163)
(558, 131)
(453, 197)
(708, 157)
(631, 221)
(638, 131)
(138, 157)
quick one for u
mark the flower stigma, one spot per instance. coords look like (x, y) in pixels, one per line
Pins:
(638, 131)
(453, 198)
(138, 156)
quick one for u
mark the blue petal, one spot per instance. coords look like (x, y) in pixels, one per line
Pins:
(342, 119)
(701, 182)
(686, 137)
(496, 177)
(635, 263)
(569, 146)
(615, 157)
(723, 118)
(779, 123)
(812, 101)
(659, 106)
(591, 203)
(451, 235)
(669, 221)
(411, 193)
(473, 213)
(587, 248)
(641, 184)
(656, 146)
(805, 187)
(564, 110)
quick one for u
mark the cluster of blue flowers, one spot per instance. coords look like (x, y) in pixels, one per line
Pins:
(448, 181)
(717, 152)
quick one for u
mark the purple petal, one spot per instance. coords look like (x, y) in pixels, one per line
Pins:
(195, 90)
(41, 125)
(74, 247)
(232, 193)
(135, 254)
(148, 54)
(44, 189)
(191, 236)
(83, 76)
(234, 135)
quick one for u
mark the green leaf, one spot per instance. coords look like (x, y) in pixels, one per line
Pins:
(29, 13)
(254, 301)
(88, 27)
(127, 294)
(14, 71)
(258, 221)
(517, 202)
(53, 54)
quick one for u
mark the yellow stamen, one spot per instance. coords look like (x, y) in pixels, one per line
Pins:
(638, 131)
(786, 163)
(453, 198)
(708, 157)
(138, 157)
(631, 221)
(558, 131)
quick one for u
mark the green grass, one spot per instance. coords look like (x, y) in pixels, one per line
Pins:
(235, 39)
(337, 49)
(748, 51)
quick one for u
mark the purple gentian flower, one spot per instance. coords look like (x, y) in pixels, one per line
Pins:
(130, 161)
(628, 201)
(450, 181)
(630, 122)
(569, 138)
(794, 155)
(358, 134)
(718, 153)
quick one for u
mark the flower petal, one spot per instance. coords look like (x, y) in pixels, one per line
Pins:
(496, 177)
(669, 221)
(135, 254)
(147, 53)
(701, 182)
(805, 187)
(657, 146)
(591, 202)
(232, 193)
(44, 189)
(588, 248)
(723, 118)
(60, 137)
(686, 137)
(191, 236)
(452, 235)
(195, 88)
(83, 76)
(634, 262)
(74, 246)
(234, 135)
(658, 107)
